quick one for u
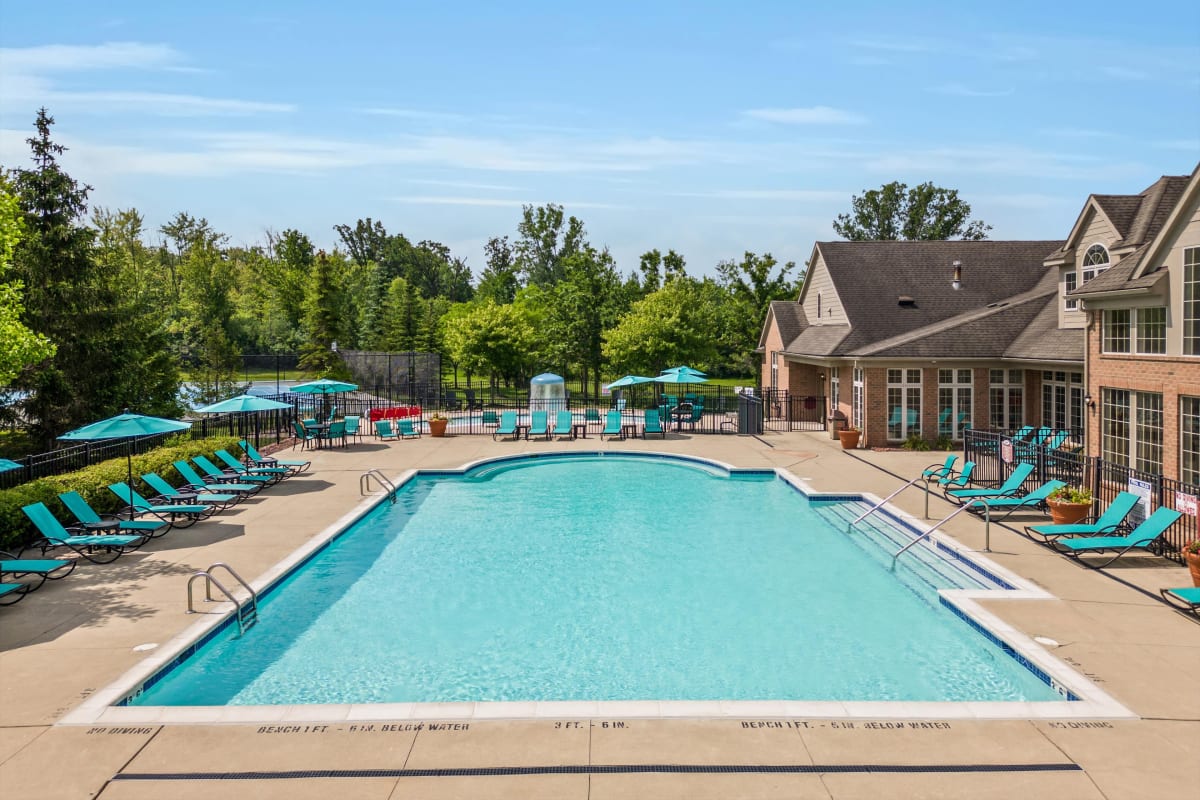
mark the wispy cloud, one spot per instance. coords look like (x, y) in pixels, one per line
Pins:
(415, 114)
(1078, 133)
(814, 115)
(961, 90)
(442, 200)
(804, 195)
(1187, 145)
(487, 187)
(31, 74)
(1124, 73)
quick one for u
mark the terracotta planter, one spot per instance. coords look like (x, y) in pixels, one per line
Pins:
(437, 427)
(1062, 513)
(1193, 562)
(849, 439)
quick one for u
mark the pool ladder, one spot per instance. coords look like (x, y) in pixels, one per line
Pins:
(247, 610)
(364, 483)
(884, 501)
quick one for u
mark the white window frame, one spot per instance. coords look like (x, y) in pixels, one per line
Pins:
(956, 393)
(1133, 328)
(1009, 387)
(1139, 328)
(1191, 301)
(835, 389)
(1092, 265)
(1070, 284)
(903, 398)
(1062, 401)
(1131, 429)
(857, 393)
(774, 369)
(1189, 440)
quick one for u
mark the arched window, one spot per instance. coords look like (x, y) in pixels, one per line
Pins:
(1095, 261)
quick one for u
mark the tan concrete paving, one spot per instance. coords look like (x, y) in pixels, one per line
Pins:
(72, 638)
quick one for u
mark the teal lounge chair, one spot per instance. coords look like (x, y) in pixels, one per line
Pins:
(406, 429)
(12, 593)
(1143, 537)
(508, 425)
(1110, 522)
(1185, 599)
(169, 494)
(960, 481)
(1009, 488)
(226, 476)
(90, 521)
(260, 460)
(591, 416)
(1034, 501)
(43, 569)
(539, 425)
(240, 469)
(489, 418)
(180, 515)
(652, 423)
(612, 424)
(97, 548)
(383, 429)
(562, 423)
(224, 484)
(935, 472)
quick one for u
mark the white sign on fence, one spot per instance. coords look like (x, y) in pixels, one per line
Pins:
(1006, 451)
(1185, 503)
(1142, 510)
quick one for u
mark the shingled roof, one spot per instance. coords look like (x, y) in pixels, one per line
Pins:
(871, 276)
(1152, 208)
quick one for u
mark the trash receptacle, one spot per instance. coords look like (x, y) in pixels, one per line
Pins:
(837, 422)
(750, 414)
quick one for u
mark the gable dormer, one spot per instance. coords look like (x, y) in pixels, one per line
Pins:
(1086, 253)
(822, 305)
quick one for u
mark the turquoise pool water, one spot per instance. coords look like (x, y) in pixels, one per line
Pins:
(603, 578)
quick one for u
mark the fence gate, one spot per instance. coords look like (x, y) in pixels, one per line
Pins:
(785, 411)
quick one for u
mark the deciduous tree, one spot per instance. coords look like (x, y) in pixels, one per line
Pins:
(894, 211)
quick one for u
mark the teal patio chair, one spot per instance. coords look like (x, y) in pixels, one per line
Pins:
(935, 472)
(223, 477)
(406, 430)
(224, 483)
(1184, 599)
(12, 593)
(508, 425)
(539, 425)
(1110, 522)
(259, 460)
(241, 470)
(304, 436)
(612, 424)
(90, 521)
(43, 569)
(591, 416)
(353, 427)
(652, 423)
(169, 494)
(1010, 488)
(489, 418)
(97, 548)
(562, 424)
(1034, 501)
(336, 432)
(1143, 537)
(180, 515)
(383, 429)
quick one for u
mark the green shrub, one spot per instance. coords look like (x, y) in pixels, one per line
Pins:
(915, 442)
(943, 443)
(92, 483)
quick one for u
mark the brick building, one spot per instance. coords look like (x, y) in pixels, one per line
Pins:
(1098, 334)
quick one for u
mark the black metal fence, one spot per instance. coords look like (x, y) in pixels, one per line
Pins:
(786, 411)
(996, 453)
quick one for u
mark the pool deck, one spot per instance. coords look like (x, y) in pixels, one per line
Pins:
(70, 639)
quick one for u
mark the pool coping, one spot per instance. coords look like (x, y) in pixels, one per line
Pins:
(1092, 703)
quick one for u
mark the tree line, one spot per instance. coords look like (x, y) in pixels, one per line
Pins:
(97, 313)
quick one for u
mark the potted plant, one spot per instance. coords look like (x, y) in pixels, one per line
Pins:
(1191, 556)
(849, 438)
(1069, 504)
(437, 424)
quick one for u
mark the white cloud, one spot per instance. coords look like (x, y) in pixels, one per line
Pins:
(804, 195)
(961, 90)
(489, 201)
(76, 58)
(816, 115)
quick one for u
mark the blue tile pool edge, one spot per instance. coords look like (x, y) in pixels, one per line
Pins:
(153, 669)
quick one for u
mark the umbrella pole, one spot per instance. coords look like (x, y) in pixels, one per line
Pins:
(129, 465)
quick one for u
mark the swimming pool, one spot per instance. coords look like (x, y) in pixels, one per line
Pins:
(609, 578)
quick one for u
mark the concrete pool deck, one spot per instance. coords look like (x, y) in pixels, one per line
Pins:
(71, 639)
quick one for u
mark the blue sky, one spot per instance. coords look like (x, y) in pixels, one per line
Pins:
(710, 128)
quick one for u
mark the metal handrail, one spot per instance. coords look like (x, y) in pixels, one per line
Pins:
(364, 483)
(987, 536)
(885, 500)
(210, 579)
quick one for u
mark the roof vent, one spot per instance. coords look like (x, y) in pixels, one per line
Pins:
(906, 301)
(997, 304)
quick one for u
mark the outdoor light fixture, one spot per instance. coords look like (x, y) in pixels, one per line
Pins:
(956, 284)
(333, 345)
(1088, 401)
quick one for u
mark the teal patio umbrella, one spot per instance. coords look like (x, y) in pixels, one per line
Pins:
(684, 371)
(680, 377)
(244, 404)
(125, 426)
(629, 380)
(324, 387)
